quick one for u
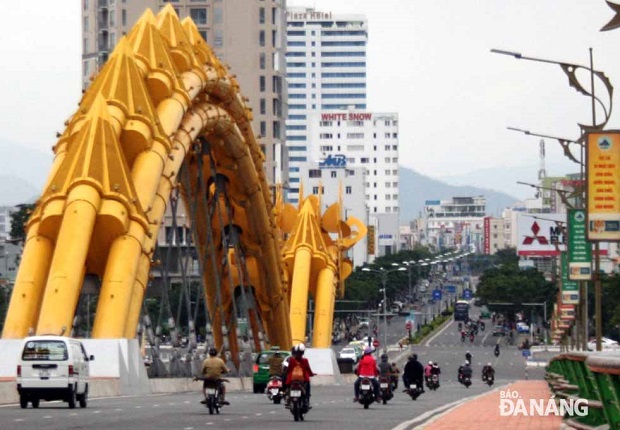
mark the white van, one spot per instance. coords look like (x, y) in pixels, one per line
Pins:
(53, 368)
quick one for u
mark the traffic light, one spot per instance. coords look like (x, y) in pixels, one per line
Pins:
(370, 240)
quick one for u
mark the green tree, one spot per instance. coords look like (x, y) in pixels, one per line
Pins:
(18, 222)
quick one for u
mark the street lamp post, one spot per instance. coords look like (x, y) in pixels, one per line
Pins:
(570, 70)
(384, 275)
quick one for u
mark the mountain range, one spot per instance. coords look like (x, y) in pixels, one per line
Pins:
(25, 170)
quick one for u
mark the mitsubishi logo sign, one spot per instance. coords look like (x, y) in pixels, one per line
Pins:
(531, 239)
(541, 235)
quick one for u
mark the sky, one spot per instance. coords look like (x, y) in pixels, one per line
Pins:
(428, 60)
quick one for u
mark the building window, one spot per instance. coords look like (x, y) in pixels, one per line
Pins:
(263, 128)
(85, 24)
(85, 4)
(112, 19)
(124, 18)
(203, 34)
(387, 172)
(364, 160)
(85, 45)
(261, 38)
(261, 15)
(262, 61)
(388, 185)
(219, 38)
(262, 84)
(348, 190)
(314, 173)
(217, 15)
(276, 130)
(334, 174)
(274, 38)
(112, 41)
(315, 190)
(198, 15)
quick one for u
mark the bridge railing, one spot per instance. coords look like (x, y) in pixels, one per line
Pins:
(594, 377)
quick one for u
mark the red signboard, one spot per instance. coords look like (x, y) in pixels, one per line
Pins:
(487, 235)
(408, 325)
(375, 343)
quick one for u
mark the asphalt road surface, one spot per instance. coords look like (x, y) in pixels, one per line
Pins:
(332, 406)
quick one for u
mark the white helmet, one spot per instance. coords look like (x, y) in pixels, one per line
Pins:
(300, 347)
(489, 364)
(430, 363)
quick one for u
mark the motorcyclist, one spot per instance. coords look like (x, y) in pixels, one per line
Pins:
(468, 356)
(275, 364)
(212, 369)
(435, 370)
(414, 373)
(299, 370)
(496, 352)
(367, 368)
(488, 371)
(385, 369)
(427, 371)
(394, 377)
(464, 370)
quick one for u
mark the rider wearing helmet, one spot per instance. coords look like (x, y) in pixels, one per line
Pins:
(212, 369)
(488, 371)
(367, 368)
(299, 370)
(427, 371)
(385, 368)
(464, 370)
(468, 356)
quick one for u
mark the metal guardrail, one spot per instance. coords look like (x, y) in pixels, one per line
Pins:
(591, 376)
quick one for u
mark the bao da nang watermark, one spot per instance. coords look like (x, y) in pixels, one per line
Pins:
(511, 404)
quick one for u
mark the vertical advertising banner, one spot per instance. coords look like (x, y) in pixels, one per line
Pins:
(579, 249)
(570, 289)
(603, 186)
(487, 235)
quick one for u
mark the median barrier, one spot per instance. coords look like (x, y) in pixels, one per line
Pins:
(605, 369)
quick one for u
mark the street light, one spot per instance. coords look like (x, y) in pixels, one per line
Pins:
(570, 70)
(384, 275)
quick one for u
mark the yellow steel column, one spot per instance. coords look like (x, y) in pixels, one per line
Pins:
(29, 286)
(118, 282)
(323, 310)
(137, 297)
(299, 293)
(66, 272)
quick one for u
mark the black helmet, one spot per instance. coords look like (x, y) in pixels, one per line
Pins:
(384, 357)
(212, 352)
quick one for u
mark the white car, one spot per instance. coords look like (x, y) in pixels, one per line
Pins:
(348, 353)
(53, 368)
(606, 344)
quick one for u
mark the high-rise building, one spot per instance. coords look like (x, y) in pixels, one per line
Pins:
(326, 70)
(248, 35)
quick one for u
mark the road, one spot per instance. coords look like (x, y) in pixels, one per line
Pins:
(333, 406)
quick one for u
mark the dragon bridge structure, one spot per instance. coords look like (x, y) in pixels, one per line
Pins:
(164, 123)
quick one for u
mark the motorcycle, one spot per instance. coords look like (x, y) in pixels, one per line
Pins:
(298, 403)
(496, 352)
(413, 391)
(386, 389)
(462, 336)
(274, 390)
(460, 326)
(433, 382)
(465, 380)
(489, 379)
(367, 395)
(471, 338)
(213, 399)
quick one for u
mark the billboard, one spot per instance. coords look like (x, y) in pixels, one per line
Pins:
(567, 312)
(603, 185)
(579, 249)
(570, 289)
(487, 235)
(541, 234)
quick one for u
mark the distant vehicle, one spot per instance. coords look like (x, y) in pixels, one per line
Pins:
(606, 344)
(348, 354)
(364, 322)
(499, 330)
(523, 327)
(461, 310)
(423, 288)
(261, 368)
(485, 313)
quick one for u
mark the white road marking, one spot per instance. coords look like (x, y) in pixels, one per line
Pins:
(19, 419)
(138, 407)
(96, 412)
(258, 414)
(272, 412)
(188, 428)
(186, 402)
(73, 414)
(118, 410)
(47, 416)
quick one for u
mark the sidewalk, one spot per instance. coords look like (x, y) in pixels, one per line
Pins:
(483, 412)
